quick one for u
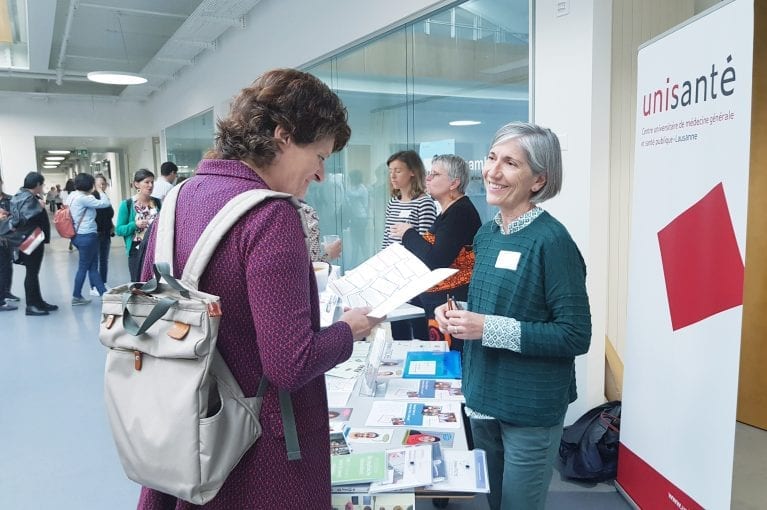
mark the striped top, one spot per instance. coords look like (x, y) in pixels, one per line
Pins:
(419, 212)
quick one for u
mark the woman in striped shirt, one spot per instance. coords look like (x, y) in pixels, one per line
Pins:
(408, 203)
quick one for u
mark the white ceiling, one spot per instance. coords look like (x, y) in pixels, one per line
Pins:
(69, 38)
(157, 39)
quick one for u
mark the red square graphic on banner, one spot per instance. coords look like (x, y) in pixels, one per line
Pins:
(701, 261)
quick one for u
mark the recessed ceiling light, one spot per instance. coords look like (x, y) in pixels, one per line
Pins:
(116, 78)
(59, 152)
(50, 166)
(55, 158)
(464, 122)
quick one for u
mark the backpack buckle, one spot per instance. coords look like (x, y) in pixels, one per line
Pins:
(214, 309)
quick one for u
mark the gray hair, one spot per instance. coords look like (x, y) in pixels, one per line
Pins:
(543, 153)
(456, 168)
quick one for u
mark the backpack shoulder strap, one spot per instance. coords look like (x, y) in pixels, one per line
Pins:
(218, 227)
(166, 222)
(198, 260)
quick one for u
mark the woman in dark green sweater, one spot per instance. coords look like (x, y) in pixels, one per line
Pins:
(526, 319)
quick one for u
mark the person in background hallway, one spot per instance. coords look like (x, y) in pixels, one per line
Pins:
(528, 316)
(82, 204)
(58, 199)
(6, 261)
(277, 135)
(448, 241)
(50, 199)
(28, 213)
(168, 173)
(134, 217)
(69, 187)
(105, 230)
(407, 203)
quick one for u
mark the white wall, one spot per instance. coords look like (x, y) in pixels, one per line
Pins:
(23, 118)
(17, 157)
(572, 83)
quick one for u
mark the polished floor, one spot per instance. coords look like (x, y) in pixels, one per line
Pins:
(55, 446)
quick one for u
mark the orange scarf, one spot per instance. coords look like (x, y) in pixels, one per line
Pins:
(464, 263)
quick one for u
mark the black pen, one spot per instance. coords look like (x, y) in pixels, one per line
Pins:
(451, 303)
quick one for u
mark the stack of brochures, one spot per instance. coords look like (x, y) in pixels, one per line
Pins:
(427, 466)
(357, 468)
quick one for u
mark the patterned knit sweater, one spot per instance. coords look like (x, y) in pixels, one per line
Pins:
(546, 293)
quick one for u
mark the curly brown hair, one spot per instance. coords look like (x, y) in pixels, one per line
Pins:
(297, 101)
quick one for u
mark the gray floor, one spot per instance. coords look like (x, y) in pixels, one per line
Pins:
(55, 447)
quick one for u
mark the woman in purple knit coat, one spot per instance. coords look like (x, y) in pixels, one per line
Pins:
(278, 134)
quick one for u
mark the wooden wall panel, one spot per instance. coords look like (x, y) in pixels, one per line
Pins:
(752, 390)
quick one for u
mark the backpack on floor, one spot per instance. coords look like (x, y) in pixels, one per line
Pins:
(179, 418)
(589, 447)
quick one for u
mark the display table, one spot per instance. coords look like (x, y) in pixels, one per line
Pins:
(361, 406)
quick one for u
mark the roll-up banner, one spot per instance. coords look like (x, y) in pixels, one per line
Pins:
(686, 265)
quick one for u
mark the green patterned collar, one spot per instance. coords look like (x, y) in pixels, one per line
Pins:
(518, 223)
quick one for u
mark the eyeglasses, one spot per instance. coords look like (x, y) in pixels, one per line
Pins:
(431, 175)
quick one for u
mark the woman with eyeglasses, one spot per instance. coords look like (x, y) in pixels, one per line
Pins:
(447, 243)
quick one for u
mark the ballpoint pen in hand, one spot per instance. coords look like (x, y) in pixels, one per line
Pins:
(451, 303)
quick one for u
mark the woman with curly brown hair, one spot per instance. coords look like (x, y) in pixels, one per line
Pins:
(277, 136)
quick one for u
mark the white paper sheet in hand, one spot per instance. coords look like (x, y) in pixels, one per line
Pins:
(387, 280)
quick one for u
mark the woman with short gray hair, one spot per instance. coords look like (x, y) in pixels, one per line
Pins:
(526, 319)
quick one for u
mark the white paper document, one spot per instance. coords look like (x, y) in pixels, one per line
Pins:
(406, 467)
(339, 390)
(439, 389)
(387, 280)
(426, 414)
(466, 471)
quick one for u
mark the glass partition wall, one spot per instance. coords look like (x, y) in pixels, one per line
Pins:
(442, 84)
(187, 141)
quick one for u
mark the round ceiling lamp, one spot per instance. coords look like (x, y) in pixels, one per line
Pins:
(116, 78)
(464, 122)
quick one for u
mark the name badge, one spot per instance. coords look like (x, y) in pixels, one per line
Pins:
(404, 214)
(507, 260)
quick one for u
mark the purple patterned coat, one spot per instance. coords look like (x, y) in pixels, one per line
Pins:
(270, 326)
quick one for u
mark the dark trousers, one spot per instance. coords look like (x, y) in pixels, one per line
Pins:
(88, 246)
(6, 272)
(135, 261)
(32, 263)
(105, 243)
